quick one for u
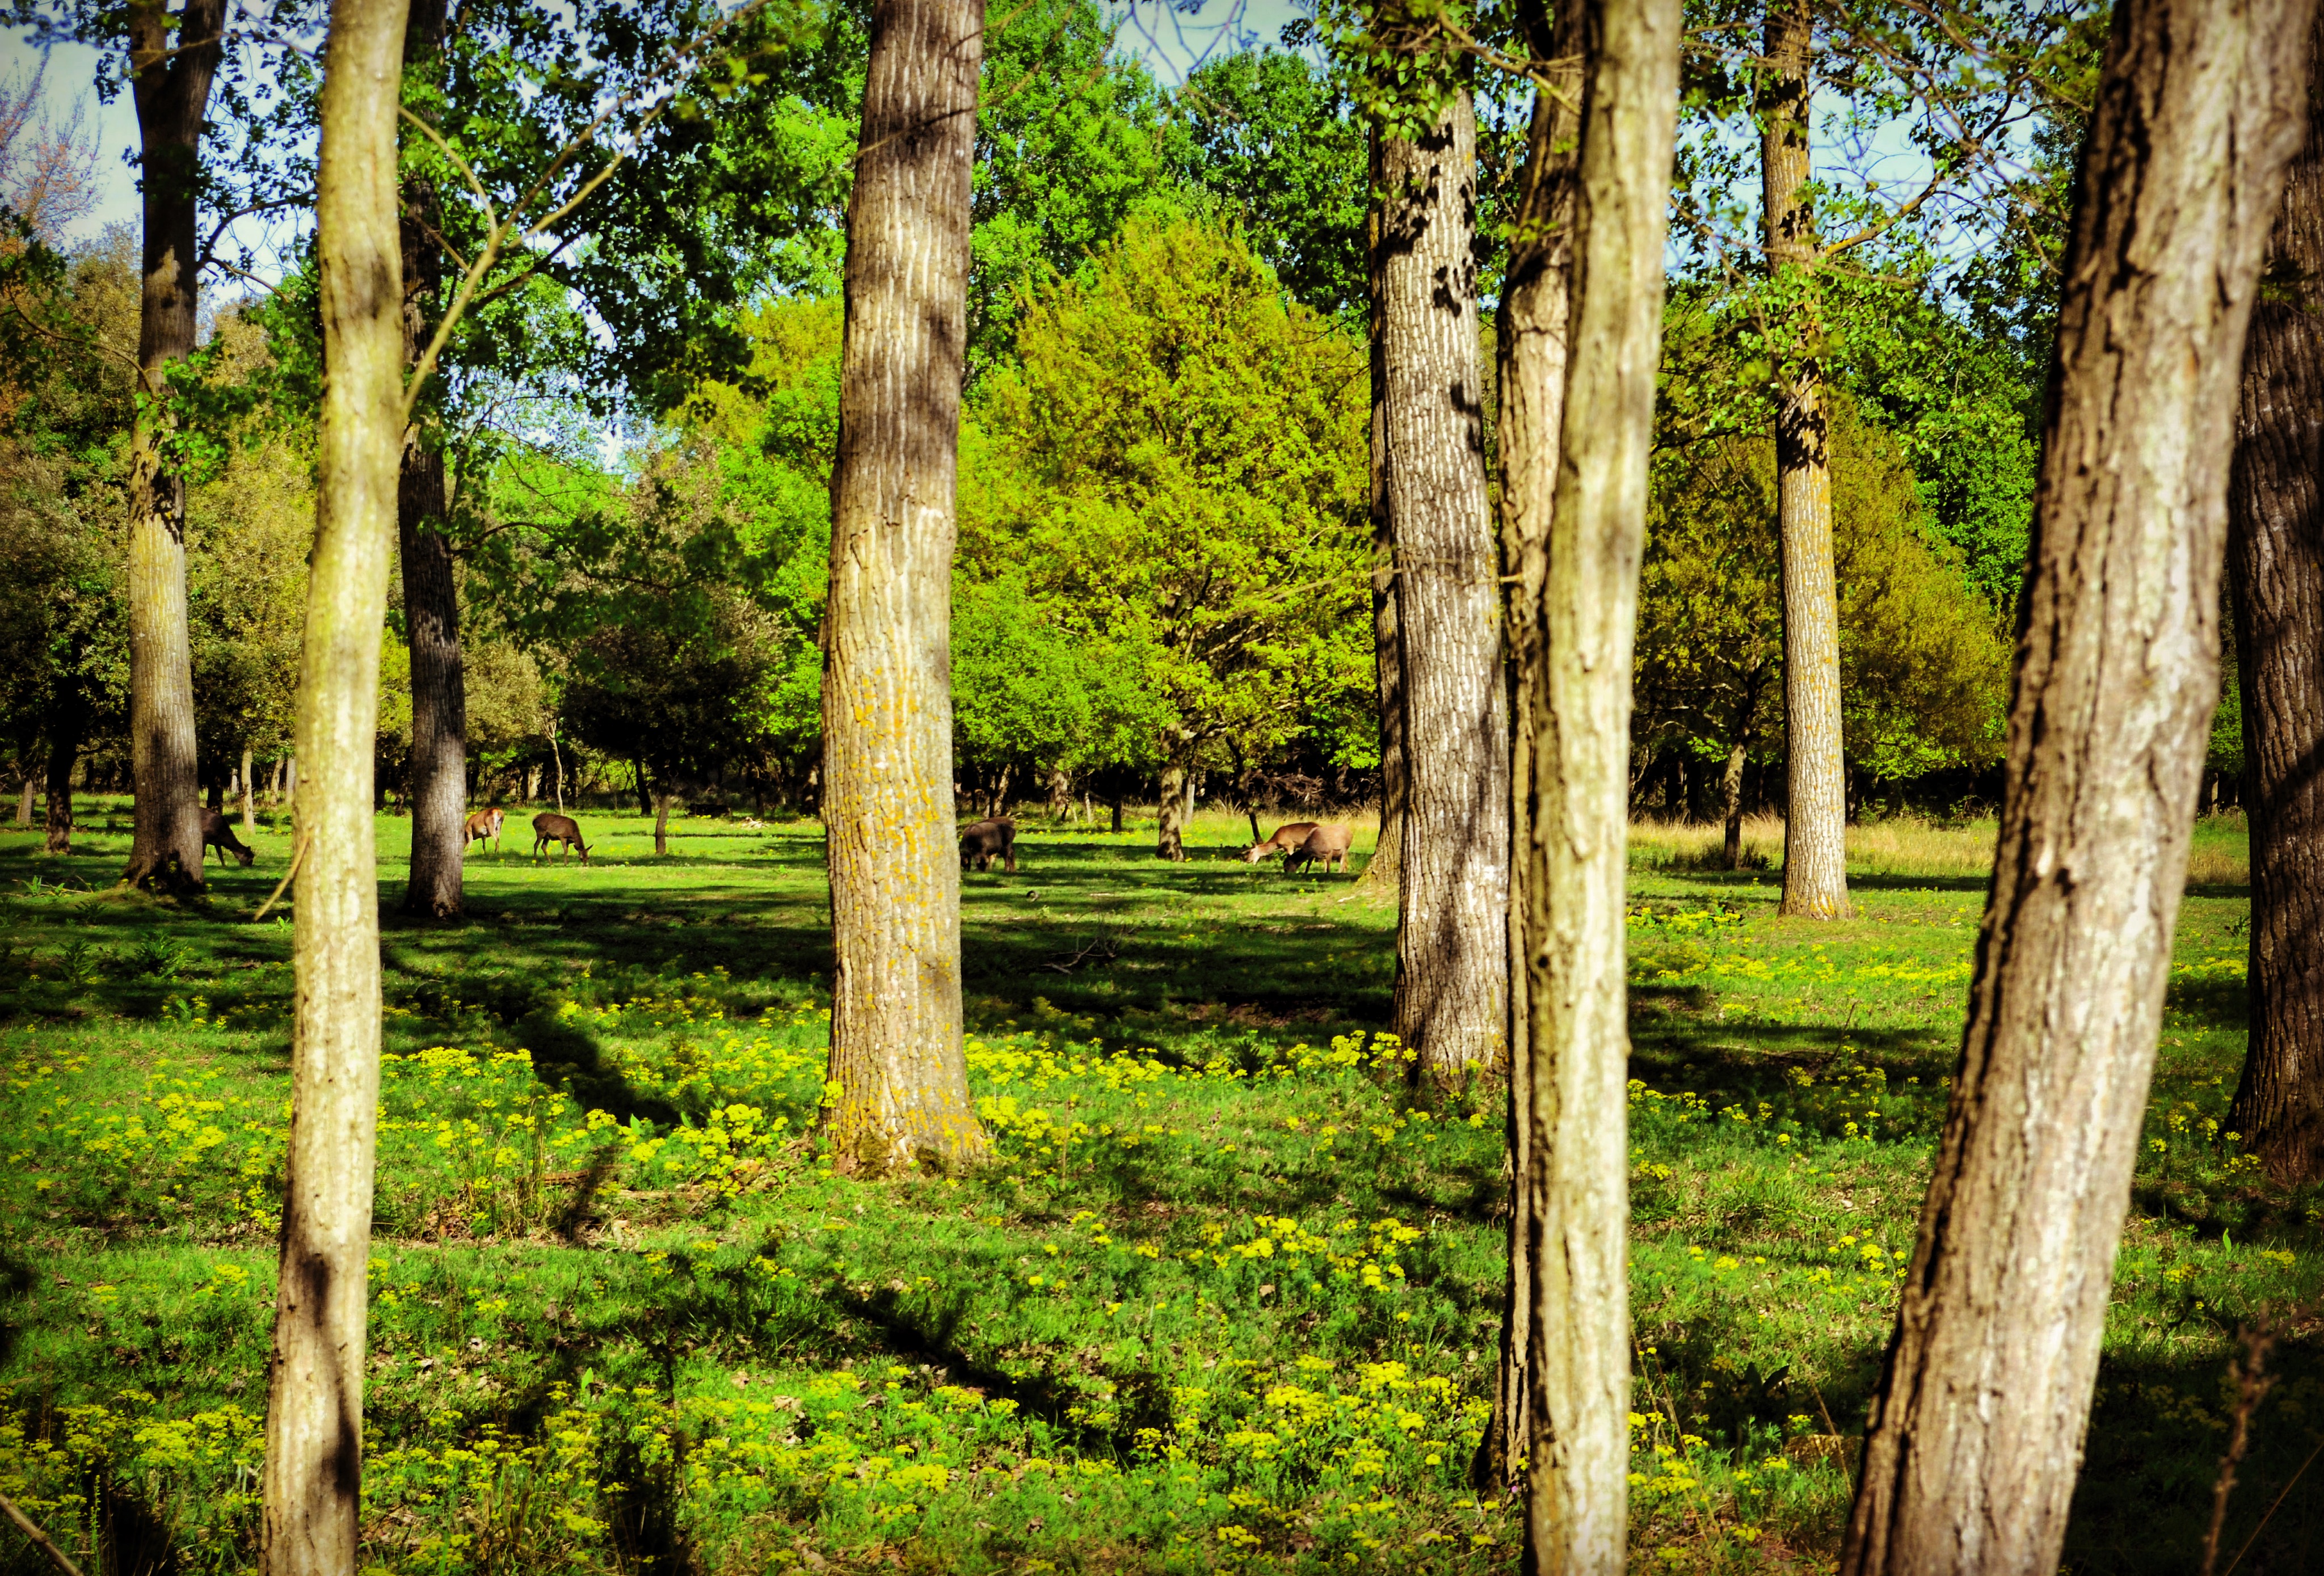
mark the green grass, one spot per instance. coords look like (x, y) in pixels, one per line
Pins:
(1225, 1298)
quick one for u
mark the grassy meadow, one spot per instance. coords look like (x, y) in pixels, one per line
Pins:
(1226, 1297)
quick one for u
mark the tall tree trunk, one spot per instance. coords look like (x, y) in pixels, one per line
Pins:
(1578, 820)
(1452, 976)
(1537, 316)
(431, 593)
(1385, 869)
(313, 1473)
(1978, 1419)
(28, 793)
(249, 796)
(896, 1050)
(67, 721)
(1815, 814)
(2275, 562)
(1170, 815)
(1116, 814)
(170, 73)
(661, 818)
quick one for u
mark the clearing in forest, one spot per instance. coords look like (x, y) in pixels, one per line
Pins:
(1229, 1297)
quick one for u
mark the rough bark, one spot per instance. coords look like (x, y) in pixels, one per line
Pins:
(896, 1050)
(249, 796)
(25, 796)
(1980, 1417)
(1537, 312)
(661, 820)
(1385, 869)
(2275, 563)
(313, 1472)
(170, 73)
(1578, 817)
(431, 595)
(1170, 815)
(1815, 812)
(1451, 974)
(67, 721)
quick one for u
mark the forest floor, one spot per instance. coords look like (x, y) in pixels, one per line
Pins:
(1225, 1297)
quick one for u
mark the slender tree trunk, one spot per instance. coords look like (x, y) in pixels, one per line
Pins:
(2275, 562)
(67, 720)
(1452, 976)
(896, 1050)
(1385, 869)
(661, 820)
(170, 73)
(27, 794)
(1730, 801)
(1170, 816)
(1815, 816)
(431, 593)
(1116, 814)
(249, 796)
(1978, 1419)
(556, 758)
(291, 785)
(313, 1473)
(1578, 822)
(1537, 316)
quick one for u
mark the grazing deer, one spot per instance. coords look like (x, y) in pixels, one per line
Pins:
(982, 841)
(482, 826)
(549, 828)
(1328, 843)
(216, 833)
(1286, 838)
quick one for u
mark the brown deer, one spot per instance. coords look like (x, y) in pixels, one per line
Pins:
(1328, 843)
(1288, 837)
(216, 833)
(549, 828)
(982, 841)
(482, 826)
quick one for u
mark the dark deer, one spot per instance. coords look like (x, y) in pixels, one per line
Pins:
(216, 833)
(982, 841)
(549, 828)
(1288, 837)
(483, 826)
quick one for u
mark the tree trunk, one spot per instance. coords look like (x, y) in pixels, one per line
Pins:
(68, 720)
(1578, 823)
(1061, 794)
(1978, 1419)
(1815, 816)
(1170, 816)
(249, 796)
(27, 794)
(170, 73)
(1537, 312)
(1385, 869)
(313, 1472)
(1452, 976)
(896, 1050)
(290, 784)
(661, 820)
(2275, 562)
(1116, 814)
(557, 759)
(431, 597)
(1730, 801)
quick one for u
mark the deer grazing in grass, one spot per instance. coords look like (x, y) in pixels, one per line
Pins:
(218, 834)
(549, 828)
(982, 841)
(1327, 844)
(483, 826)
(1288, 837)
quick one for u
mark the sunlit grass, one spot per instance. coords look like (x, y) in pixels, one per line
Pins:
(1226, 1297)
